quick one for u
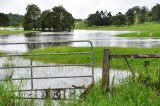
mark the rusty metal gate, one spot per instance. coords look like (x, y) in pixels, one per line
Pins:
(39, 77)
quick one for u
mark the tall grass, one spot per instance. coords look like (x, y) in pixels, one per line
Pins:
(131, 92)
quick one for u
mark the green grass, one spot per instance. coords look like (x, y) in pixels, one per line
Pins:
(7, 32)
(146, 29)
(129, 93)
(7, 95)
(141, 34)
(98, 56)
(134, 27)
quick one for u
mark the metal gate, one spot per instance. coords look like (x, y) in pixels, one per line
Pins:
(39, 74)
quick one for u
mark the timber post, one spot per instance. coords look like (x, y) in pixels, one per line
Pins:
(105, 70)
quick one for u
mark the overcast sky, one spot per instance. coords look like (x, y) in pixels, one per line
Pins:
(78, 8)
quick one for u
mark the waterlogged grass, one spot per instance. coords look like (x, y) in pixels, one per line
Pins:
(98, 56)
(140, 34)
(136, 27)
(146, 29)
(8, 32)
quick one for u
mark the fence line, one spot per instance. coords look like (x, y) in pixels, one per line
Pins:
(106, 64)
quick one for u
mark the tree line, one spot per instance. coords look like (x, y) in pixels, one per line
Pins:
(11, 20)
(134, 15)
(56, 19)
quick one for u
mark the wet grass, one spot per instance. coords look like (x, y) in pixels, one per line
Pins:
(128, 93)
(135, 27)
(98, 56)
(146, 29)
(9, 98)
(141, 34)
(8, 32)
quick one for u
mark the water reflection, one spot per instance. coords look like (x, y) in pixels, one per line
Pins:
(118, 75)
(98, 38)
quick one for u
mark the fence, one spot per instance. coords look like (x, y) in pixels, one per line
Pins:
(55, 93)
(106, 65)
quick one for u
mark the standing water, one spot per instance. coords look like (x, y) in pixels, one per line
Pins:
(98, 38)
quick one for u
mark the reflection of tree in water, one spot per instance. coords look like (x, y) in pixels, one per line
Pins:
(35, 40)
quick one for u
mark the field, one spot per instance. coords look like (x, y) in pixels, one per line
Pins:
(98, 55)
(143, 30)
(7, 32)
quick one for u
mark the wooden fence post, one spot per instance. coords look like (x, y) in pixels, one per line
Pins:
(105, 70)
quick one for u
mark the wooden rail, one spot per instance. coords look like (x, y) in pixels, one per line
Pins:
(106, 64)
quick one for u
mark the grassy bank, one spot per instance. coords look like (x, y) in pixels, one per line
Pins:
(8, 32)
(147, 29)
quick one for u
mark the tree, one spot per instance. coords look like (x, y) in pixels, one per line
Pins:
(99, 19)
(4, 20)
(46, 20)
(62, 19)
(15, 19)
(137, 15)
(31, 16)
(155, 11)
(130, 16)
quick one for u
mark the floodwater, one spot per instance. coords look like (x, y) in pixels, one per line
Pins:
(98, 38)
(61, 71)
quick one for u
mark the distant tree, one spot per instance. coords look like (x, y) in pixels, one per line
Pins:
(130, 16)
(155, 11)
(31, 16)
(143, 14)
(115, 21)
(122, 19)
(4, 20)
(15, 19)
(101, 18)
(62, 19)
(91, 20)
(46, 20)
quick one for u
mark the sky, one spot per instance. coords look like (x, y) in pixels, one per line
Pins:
(78, 8)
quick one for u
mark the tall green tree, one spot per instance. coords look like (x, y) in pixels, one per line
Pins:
(46, 20)
(155, 11)
(31, 16)
(62, 19)
(119, 19)
(101, 18)
(4, 20)
(15, 19)
(137, 15)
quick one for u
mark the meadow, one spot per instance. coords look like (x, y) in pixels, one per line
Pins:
(143, 30)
